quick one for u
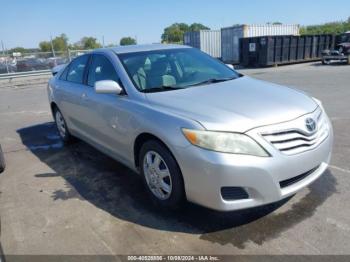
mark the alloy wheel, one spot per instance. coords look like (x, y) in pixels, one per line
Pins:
(157, 175)
(61, 126)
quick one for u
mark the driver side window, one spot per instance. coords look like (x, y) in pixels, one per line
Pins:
(76, 69)
(101, 69)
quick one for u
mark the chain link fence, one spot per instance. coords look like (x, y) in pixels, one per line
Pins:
(35, 61)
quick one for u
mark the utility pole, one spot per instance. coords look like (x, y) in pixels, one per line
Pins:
(53, 50)
(5, 56)
(103, 41)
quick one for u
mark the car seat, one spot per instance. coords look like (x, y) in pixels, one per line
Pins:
(159, 76)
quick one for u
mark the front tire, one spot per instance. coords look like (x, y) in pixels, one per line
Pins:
(161, 175)
(2, 161)
(326, 62)
(62, 127)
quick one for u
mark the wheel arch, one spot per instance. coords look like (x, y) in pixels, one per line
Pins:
(53, 106)
(143, 138)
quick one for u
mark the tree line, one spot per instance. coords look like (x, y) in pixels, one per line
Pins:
(171, 34)
(175, 32)
(61, 44)
(339, 27)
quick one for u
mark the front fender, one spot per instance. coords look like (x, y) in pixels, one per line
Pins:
(164, 125)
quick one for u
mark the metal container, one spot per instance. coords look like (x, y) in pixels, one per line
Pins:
(230, 37)
(209, 41)
(276, 50)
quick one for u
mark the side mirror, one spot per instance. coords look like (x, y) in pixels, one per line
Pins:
(230, 66)
(108, 87)
(56, 69)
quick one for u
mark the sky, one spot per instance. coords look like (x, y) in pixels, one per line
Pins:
(27, 22)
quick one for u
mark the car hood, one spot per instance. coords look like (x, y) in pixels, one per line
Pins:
(237, 106)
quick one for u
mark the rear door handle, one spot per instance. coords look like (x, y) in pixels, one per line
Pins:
(83, 96)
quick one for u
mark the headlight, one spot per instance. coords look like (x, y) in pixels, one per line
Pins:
(318, 102)
(323, 121)
(233, 143)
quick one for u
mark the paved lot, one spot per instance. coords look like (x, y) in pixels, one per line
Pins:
(74, 200)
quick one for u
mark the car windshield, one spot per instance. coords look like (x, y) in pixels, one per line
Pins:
(170, 69)
(345, 38)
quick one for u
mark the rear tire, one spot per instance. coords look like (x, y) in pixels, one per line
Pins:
(326, 62)
(2, 161)
(62, 126)
(161, 175)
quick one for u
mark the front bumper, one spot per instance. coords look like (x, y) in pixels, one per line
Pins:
(206, 173)
(335, 57)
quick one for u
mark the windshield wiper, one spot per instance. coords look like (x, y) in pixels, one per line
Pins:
(160, 89)
(213, 80)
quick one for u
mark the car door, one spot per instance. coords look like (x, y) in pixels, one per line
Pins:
(70, 90)
(106, 115)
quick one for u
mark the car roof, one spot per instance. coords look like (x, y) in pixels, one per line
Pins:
(141, 48)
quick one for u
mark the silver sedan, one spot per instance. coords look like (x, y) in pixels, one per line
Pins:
(191, 126)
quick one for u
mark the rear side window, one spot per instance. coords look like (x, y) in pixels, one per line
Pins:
(76, 69)
(101, 69)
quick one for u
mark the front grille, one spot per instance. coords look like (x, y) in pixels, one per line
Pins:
(233, 193)
(296, 179)
(295, 140)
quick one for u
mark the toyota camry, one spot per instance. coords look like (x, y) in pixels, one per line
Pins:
(192, 127)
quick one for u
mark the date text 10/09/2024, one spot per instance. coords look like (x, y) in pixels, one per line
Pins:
(174, 258)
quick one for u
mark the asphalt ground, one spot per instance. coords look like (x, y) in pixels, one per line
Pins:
(75, 200)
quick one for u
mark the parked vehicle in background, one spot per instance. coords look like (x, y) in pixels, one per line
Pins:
(341, 53)
(191, 126)
(55, 61)
(8, 66)
(3, 68)
(2, 161)
(31, 64)
(33, 61)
